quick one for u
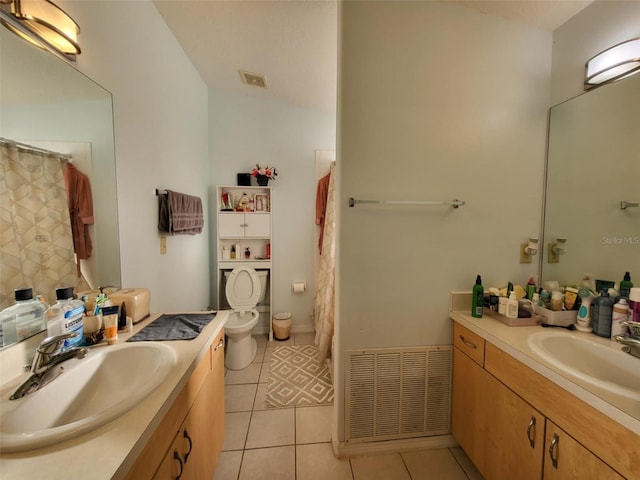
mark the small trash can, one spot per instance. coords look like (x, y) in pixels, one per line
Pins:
(281, 324)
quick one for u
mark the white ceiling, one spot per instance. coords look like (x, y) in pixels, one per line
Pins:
(294, 42)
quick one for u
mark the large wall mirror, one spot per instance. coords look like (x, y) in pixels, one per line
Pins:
(593, 165)
(46, 102)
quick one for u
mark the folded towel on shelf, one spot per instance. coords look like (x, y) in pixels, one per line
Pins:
(180, 213)
(185, 326)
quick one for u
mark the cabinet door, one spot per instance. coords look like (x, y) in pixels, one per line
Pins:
(231, 225)
(515, 435)
(501, 433)
(173, 466)
(469, 409)
(566, 459)
(257, 225)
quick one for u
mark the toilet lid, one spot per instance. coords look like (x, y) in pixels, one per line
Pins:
(243, 289)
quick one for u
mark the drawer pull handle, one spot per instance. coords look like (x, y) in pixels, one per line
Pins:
(185, 434)
(553, 450)
(219, 345)
(531, 432)
(467, 342)
(177, 457)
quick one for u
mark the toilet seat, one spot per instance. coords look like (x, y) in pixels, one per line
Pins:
(243, 289)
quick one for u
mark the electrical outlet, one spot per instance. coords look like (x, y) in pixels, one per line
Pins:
(524, 256)
(552, 257)
(163, 245)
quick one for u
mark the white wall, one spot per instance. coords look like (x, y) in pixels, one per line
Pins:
(436, 102)
(601, 25)
(245, 130)
(161, 129)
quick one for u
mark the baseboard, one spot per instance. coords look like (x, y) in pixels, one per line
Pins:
(342, 449)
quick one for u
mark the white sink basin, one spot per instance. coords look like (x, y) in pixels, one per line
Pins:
(599, 363)
(91, 392)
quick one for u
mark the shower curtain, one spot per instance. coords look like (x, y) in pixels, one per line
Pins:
(36, 248)
(324, 302)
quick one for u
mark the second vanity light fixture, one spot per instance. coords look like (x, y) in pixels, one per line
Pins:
(620, 61)
(42, 23)
(556, 249)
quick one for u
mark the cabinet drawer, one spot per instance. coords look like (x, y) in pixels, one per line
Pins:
(468, 342)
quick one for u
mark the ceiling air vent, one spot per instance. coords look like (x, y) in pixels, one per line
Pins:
(253, 79)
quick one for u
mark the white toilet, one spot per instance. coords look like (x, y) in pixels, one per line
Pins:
(245, 289)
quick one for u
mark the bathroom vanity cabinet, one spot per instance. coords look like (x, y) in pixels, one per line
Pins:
(515, 423)
(246, 229)
(188, 441)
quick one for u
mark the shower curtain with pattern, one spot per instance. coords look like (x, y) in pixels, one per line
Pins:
(36, 247)
(324, 305)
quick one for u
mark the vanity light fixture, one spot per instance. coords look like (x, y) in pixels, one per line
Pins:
(560, 247)
(532, 246)
(556, 249)
(42, 23)
(620, 61)
(528, 250)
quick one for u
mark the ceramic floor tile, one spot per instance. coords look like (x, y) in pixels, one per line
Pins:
(261, 340)
(264, 373)
(260, 353)
(467, 465)
(236, 429)
(261, 397)
(271, 428)
(228, 466)
(379, 467)
(305, 338)
(277, 463)
(317, 462)
(250, 374)
(267, 353)
(434, 463)
(313, 424)
(239, 398)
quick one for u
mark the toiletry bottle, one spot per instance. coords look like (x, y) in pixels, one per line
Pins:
(512, 306)
(502, 305)
(556, 301)
(477, 299)
(626, 285)
(233, 252)
(22, 319)
(268, 251)
(601, 314)
(247, 253)
(620, 314)
(73, 313)
(634, 304)
(531, 288)
(583, 320)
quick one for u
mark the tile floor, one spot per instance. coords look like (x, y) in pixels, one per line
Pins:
(295, 443)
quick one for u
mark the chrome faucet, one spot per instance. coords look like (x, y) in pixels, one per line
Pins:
(49, 354)
(631, 341)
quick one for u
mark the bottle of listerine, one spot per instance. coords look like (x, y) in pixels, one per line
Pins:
(477, 299)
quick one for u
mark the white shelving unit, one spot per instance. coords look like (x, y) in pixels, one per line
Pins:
(248, 230)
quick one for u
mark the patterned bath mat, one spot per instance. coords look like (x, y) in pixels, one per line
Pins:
(297, 378)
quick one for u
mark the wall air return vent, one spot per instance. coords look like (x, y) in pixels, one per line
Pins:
(395, 393)
(253, 79)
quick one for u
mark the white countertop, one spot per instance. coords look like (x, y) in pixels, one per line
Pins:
(110, 450)
(513, 341)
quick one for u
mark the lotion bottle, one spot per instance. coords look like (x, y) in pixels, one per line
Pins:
(477, 300)
(512, 306)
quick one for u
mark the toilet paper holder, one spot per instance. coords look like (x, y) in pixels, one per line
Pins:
(298, 287)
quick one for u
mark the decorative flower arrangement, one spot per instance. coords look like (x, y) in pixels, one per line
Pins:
(264, 171)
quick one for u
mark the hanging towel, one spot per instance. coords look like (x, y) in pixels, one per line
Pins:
(321, 205)
(180, 213)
